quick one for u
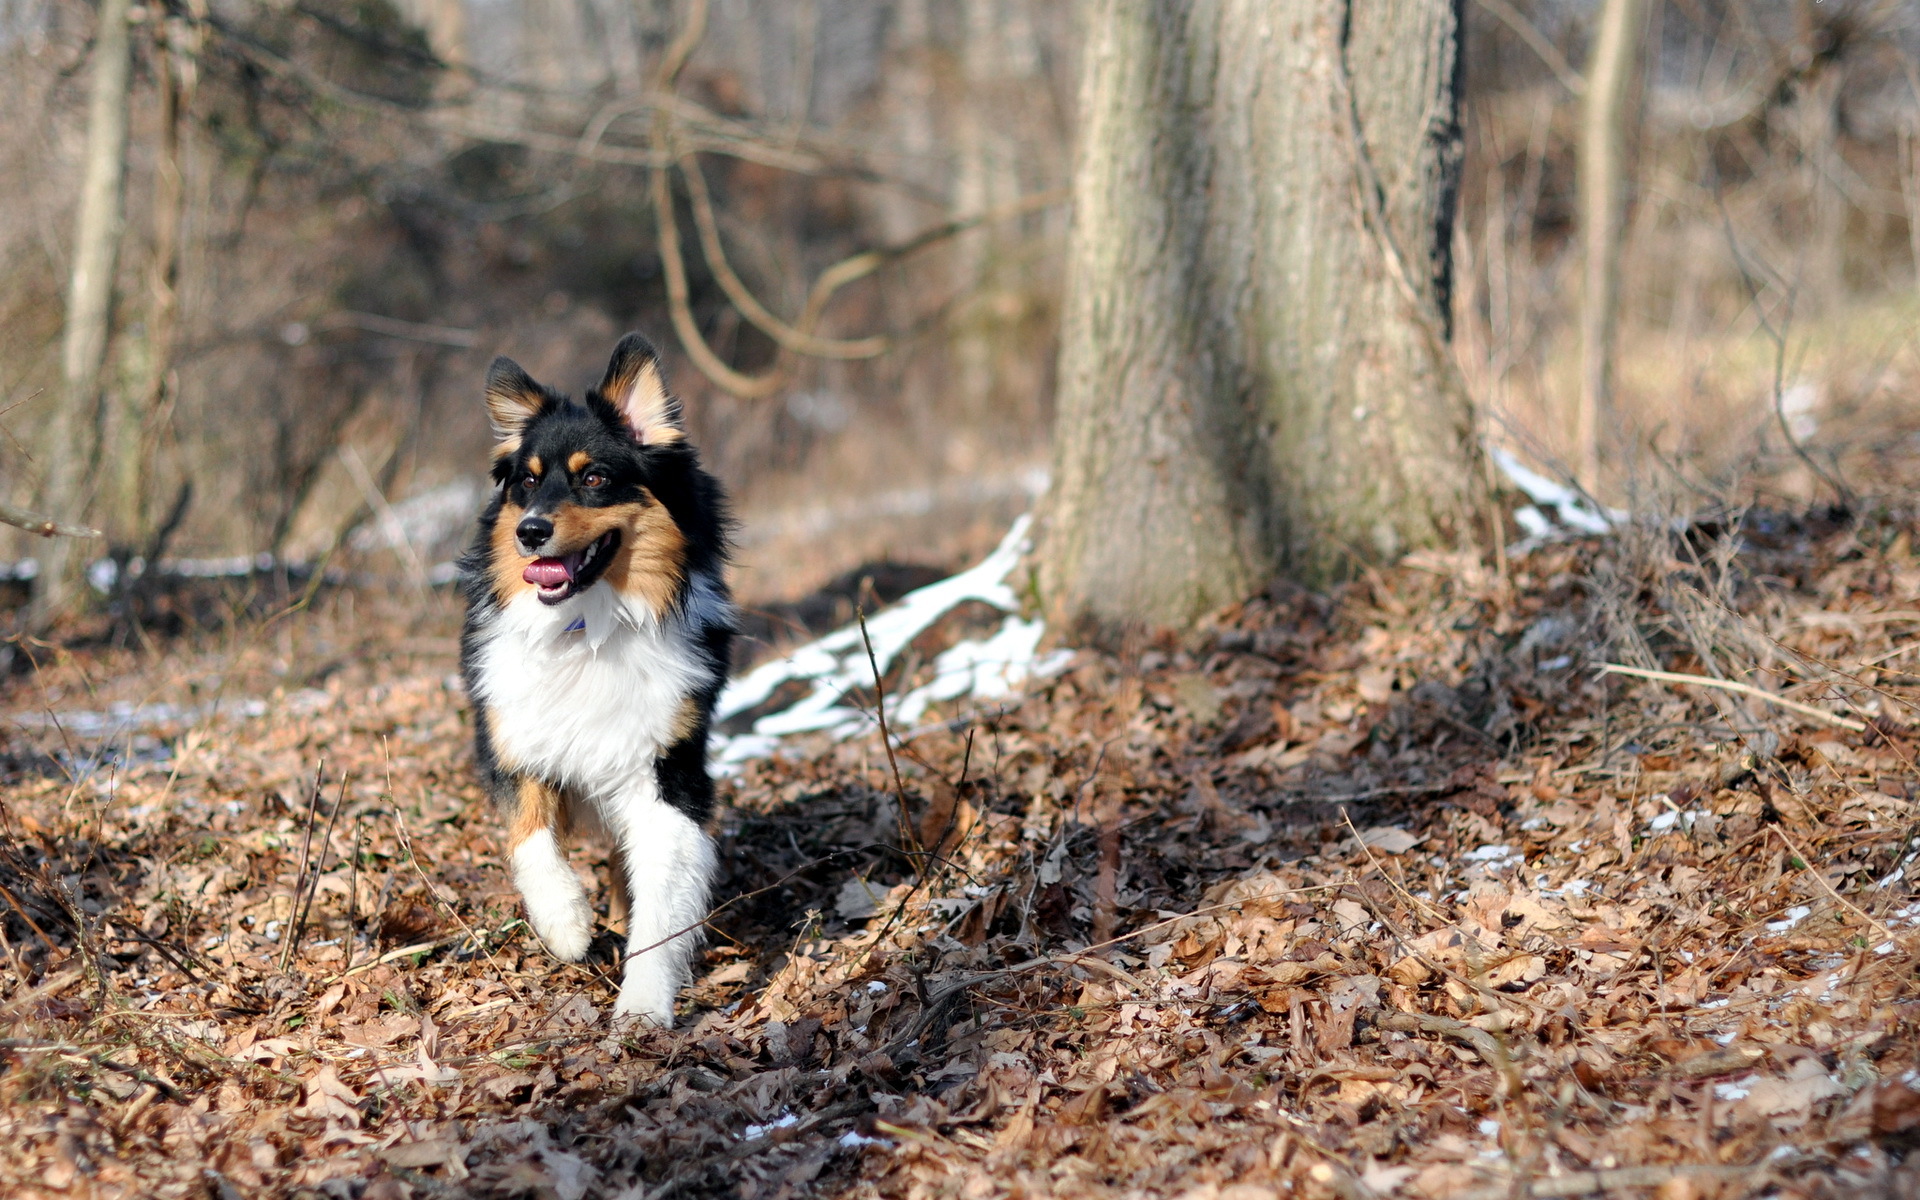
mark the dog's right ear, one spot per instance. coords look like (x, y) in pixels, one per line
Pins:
(513, 399)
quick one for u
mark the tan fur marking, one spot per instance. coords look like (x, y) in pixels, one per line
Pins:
(536, 466)
(652, 561)
(578, 462)
(540, 807)
(575, 526)
(619, 899)
(684, 720)
(506, 447)
(508, 563)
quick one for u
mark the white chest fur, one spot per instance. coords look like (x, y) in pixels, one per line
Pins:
(592, 706)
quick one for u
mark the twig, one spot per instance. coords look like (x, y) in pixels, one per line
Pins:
(1807, 865)
(297, 926)
(1729, 685)
(306, 851)
(908, 837)
(1483, 1043)
(33, 522)
(1537, 42)
(406, 843)
(396, 955)
(19, 1046)
(1611, 1181)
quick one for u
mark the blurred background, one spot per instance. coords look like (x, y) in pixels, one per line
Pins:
(338, 211)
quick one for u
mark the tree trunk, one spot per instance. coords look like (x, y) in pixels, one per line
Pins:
(1254, 372)
(1602, 148)
(70, 446)
(135, 416)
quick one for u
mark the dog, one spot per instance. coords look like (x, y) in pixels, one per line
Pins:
(597, 636)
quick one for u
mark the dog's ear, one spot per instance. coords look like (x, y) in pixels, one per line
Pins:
(635, 386)
(513, 399)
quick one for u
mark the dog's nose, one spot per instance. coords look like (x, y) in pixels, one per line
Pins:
(533, 532)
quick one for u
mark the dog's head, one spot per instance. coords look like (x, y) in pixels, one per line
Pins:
(588, 488)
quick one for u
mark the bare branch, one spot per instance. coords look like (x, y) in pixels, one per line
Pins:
(1537, 42)
(797, 340)
(33, 522)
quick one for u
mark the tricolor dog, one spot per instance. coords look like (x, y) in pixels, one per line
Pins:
(596, 641)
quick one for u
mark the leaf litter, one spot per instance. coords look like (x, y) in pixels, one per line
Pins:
(1384, 892)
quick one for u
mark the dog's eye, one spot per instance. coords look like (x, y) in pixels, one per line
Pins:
(529, 480)
(594, 479)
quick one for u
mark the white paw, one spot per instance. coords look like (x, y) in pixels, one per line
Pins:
(556, 900)
(647, 1010)
(647, 992)
(566, 931)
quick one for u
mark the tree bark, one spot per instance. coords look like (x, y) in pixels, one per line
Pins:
(96, 249)
(1255, 379)
(1602, 149)
(135, 416)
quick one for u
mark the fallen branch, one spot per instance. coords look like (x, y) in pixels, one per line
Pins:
(1479, 1040)
(1612, 1180)
(1729, 685)
(33, 522)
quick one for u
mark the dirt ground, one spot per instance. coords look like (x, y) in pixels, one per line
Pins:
(1386, 893)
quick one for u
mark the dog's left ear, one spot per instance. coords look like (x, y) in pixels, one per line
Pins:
(635, 386)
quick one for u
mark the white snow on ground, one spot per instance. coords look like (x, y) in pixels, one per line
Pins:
(837, 664)
(1575, 513)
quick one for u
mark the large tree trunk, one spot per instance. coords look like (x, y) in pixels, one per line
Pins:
(96, 248)
(1254, 372)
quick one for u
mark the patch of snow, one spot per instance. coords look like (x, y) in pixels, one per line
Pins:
(783, 1121)
(853, 1139)
(1797, 405)
(837, 664)
(1576, 513)
(1740, 1089)
(1795, 915)
(1494, 858)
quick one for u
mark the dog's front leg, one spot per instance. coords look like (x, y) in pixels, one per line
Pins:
(670, 863)
(556, 900)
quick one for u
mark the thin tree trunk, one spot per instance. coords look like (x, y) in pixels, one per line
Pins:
(70, 446)
(1601, 170)
(1254, 375)
(129, 439)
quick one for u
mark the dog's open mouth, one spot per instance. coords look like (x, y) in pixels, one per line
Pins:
(557, 579)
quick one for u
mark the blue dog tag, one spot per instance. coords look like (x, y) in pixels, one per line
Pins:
(579, 624)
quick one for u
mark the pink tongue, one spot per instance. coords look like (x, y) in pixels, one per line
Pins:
(550, 572)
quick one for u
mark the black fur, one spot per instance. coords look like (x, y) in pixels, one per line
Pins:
(672, 475)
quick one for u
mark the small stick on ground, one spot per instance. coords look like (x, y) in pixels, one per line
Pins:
(908, 838)
(1807, 865)
(1729, 685)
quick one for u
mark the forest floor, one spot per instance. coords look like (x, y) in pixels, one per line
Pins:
(1385, 893)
